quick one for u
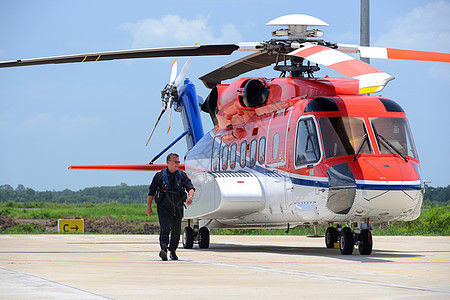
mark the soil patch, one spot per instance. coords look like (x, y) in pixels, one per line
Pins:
(107, 225)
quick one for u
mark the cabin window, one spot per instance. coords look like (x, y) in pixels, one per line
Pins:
(344, 136)
(307, 145)
(243, 153)
(233, 156)
(215, 155)
(396, 132)
(253, 148)
(276, 143)
(262, 150)
(225, 157)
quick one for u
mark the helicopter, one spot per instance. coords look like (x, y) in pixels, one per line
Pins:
(292, 150)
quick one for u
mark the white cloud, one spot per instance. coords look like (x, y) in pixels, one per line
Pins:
(424, 28)
(173, 30)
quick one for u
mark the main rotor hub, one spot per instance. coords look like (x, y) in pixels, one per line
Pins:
(297, 26)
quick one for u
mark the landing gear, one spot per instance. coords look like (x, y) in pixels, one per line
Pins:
(346, 241)
(201, 236)
(331, 237)
(365, 242)
(188, 238)
(360, 235)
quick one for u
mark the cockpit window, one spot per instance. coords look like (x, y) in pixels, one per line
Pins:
(307, 146)
(393, 134)
(344, 136)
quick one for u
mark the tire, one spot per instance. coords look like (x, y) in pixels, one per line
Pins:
(203, 238)
(331, 237)
(365, 242)
(188, 238)
(346, 242)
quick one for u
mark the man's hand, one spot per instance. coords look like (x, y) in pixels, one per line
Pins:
(149, 206)
(189, 200)
(149, 211)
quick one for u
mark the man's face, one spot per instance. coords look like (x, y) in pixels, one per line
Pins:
(173, 163)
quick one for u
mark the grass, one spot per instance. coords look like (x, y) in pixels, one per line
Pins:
(44, 210)
(434, 220)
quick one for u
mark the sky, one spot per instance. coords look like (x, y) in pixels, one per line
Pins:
(54, 116)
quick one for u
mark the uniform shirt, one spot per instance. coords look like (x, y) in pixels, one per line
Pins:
(157, 182)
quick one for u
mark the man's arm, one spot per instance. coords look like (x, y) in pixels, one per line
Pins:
(149, 205)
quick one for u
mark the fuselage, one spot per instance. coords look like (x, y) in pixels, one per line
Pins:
(314, 152)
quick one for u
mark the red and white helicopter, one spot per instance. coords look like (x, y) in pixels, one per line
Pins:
(291, 150)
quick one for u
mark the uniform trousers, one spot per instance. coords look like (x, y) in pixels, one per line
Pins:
(170, 223)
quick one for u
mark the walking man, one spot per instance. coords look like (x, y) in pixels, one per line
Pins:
(168, 188)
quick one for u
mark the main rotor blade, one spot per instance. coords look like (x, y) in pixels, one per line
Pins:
(248, 63)
(205, 50)
(371, 79)
(391, 53)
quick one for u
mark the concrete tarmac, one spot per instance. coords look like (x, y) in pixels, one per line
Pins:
(234, 267)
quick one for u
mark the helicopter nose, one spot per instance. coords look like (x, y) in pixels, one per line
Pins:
(388, 187)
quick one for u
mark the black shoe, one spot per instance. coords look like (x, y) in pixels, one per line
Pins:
(173, 256)
(163, 255)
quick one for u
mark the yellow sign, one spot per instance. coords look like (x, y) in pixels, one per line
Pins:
(70, 225)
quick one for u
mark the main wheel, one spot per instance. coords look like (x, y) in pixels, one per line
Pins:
(188, 238)
(365, 242)
(346, 242)
(203, 238)
(331, 237)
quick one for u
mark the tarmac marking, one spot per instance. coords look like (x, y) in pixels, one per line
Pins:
(32, 286)
(328, 277)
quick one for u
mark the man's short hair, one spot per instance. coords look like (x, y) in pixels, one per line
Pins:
(169, 157)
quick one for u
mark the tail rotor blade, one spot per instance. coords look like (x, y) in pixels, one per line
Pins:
(183, 72)
(170, 113)
(173, 73)
(156, 124)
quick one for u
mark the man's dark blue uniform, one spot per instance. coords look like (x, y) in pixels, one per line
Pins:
(169, 191)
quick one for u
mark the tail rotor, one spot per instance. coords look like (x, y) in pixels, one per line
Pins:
(169, 94)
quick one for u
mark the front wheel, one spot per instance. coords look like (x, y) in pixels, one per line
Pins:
(346, 241)
(188, 238)
(203, 238)
(365, 242)
(331, 237)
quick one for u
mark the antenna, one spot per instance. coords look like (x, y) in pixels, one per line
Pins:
(365, 27)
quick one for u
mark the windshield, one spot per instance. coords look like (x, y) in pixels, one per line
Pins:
(343, 136)
(396, 132)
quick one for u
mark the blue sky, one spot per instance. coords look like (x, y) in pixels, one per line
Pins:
(102, 113)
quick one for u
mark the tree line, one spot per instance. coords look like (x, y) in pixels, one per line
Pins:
(435, 196)
(105, 194)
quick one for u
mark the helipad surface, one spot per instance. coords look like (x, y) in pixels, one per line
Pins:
(77, 266)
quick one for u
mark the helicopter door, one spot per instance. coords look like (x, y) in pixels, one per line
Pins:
(276, 153)
(276, 140)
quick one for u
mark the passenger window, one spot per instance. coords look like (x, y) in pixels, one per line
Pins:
(215, 155)
(276, 141)
(225, 157)
(262, 150)
(233, 156)
(243, 153)
(307, 146)
(253, 148)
